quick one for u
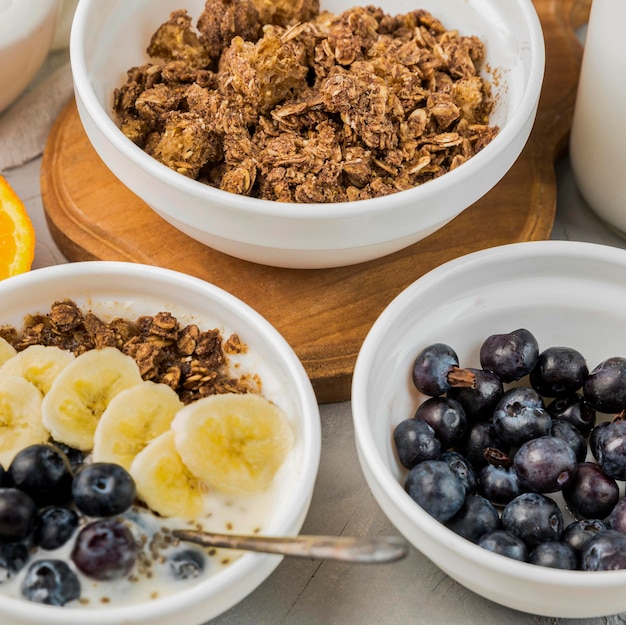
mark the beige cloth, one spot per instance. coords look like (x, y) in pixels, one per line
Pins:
(25, 125)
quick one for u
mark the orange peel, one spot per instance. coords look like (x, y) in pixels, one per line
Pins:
(17, 235)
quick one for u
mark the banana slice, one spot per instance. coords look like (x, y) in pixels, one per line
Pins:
(6, 350)
(39, 364)
(164, 483)
(20, 417)
(81, 392)
(132, 419)
(233, 443)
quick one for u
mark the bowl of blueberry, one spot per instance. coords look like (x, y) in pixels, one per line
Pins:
(138, 403)
(488, 404)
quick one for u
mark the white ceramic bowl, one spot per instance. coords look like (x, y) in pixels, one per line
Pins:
(27, 29)
(565, 293)
(128, 290)
(110, 37)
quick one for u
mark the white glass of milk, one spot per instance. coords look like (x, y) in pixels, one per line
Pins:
(598, 137)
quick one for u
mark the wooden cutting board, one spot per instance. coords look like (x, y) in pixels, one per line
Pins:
(324, 314)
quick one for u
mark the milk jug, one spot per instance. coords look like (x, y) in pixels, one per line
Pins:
(598, 137)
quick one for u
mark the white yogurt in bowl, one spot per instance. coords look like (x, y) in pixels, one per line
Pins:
(129, 290)
(152, 576)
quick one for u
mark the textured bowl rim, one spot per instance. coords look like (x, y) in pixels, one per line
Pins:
(293, 514)
(377, 468)
(307, 211)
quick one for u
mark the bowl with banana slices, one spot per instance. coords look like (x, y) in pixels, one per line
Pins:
(138, 402)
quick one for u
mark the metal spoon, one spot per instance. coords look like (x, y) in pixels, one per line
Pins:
(371, 550)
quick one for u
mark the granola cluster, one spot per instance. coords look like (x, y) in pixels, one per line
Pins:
(277, 100)
(192, 362)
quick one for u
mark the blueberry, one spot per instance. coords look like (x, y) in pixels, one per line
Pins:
(44, 472)
(611, 449)
(105, 550)
(545, 465)
(498, 481)
(617, 518)
(431, 368)
(463, 469)
(103, 489)
(75, 456)
(520, 416)
(54, 526)
(480, 400)
(187, 564)
(13, 558)
(596, 437)
(51, 582)
(436, 488)
(534, 518)
(17, 514)
(415, 441)
(577, 533)
(605, 386)
(575, 410)
(606, 551)
(591, 494)
(554, 554)
(558, 371)
(476, 518)
(567, 432)
(505, 544)
(480, 436)
(510, 356)
(447, 418)
(436, 370)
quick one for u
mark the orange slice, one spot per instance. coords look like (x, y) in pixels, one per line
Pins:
(17, 235)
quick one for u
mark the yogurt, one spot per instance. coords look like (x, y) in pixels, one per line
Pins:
(152, 577)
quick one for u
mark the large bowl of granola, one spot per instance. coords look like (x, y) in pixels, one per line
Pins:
(308, 134)
(118, 378)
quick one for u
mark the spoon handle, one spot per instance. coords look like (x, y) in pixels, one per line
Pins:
(371, 550)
